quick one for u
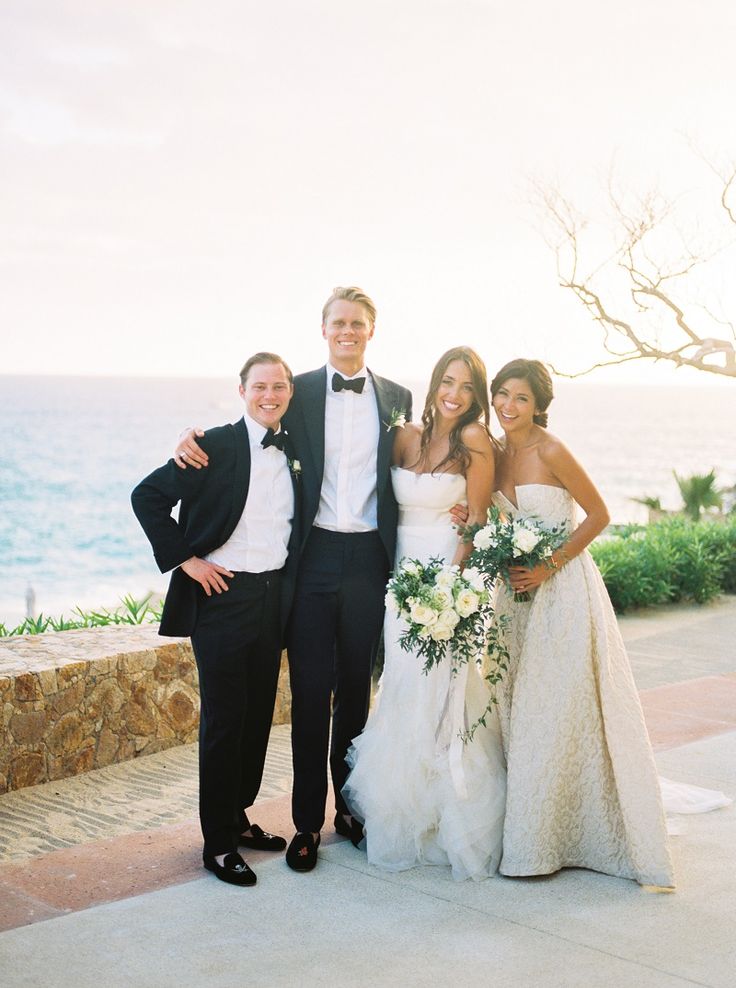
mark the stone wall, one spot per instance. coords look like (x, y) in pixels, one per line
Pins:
(72, 701)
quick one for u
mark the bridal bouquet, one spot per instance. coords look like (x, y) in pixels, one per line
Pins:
(443, 609)
(448, 611)
(505, 542)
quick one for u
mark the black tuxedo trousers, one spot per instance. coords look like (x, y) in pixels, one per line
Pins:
(237, 645)
(333, 634)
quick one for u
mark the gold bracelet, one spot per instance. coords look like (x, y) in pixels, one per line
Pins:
(564, 558)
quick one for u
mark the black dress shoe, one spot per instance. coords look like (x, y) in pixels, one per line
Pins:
(302, 852)
(233, 869)
(353, 830)
(261, 841)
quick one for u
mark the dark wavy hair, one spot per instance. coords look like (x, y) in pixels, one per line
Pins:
(539, 380)
(478, 411)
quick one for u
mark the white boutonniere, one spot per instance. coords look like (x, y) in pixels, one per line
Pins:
(397, 419)
(295, 467)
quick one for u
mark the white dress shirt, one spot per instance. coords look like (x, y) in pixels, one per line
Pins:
(261, 538)
(348, 500)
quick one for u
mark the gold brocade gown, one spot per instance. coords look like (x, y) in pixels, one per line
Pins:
(582, 786)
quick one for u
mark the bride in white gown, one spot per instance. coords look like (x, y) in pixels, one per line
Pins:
(424, 796)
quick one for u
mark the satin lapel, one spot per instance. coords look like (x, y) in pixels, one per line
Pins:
(241, 477)
(295, 476)
(313, 400)
(385, 399)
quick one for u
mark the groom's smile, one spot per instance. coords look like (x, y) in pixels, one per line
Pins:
(347, 329)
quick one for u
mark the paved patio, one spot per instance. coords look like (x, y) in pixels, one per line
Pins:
(101, 881)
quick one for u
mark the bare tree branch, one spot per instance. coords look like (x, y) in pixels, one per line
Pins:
(726, 176)
(723, 322)
(726, 195)
(674, 308)
(654, 280)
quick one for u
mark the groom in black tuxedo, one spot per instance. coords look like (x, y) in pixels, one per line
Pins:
(342, 421)
(230, 590)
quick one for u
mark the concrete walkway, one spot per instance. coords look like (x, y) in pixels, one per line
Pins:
(101, 881)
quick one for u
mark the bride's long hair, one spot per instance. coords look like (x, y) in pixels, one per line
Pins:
(479, 410)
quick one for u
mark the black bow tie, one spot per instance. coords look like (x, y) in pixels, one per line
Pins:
(339, 383)
(277, 439)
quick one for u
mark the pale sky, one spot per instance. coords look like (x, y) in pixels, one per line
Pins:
(183, 182)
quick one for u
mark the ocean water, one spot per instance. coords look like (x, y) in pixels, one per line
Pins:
(73, 448)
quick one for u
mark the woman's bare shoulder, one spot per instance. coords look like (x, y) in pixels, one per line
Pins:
(552, 449)
(476, 436)
(407, 443)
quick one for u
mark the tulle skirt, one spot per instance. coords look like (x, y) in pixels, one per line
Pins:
(424, 795)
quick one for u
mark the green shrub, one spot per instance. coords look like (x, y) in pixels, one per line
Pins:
(696, 568)
(721, 538)
(633, 573)
(674, 559)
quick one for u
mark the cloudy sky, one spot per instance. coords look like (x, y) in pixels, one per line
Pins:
(183, 182)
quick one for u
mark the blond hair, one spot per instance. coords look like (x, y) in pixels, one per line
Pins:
(350, 294)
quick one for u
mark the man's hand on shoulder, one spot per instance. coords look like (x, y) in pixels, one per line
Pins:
(208, 575)
(188, 453)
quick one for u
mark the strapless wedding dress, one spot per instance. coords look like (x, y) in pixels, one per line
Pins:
(582, 783)
(424, 796)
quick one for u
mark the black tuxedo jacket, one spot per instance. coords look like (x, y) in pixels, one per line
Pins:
(212, 501)
(305, 423)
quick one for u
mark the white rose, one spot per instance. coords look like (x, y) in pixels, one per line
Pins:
(484, 538)
(445, 578)
(475, 578)
(421, 614)
(442, 597)
(449, 617)
(466, 603)
(425, 632)
(409, 567)
(441, 633)
(392, 605)
(524, 539)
